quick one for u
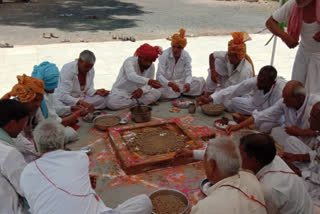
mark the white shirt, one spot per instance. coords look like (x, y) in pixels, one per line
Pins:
(11, 167)
(292, 116)
(249, 87)
(283, 192)
(68, 170)
(56, 105)
(170, 71)
(69, 91)
(232, 75)
(307, 30)
(223, 199)
(131, 78)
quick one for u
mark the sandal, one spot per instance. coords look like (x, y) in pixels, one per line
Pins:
(53, 36)
(46, 37)
(6, 45)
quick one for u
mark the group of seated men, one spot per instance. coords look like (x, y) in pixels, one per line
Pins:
(38, 121)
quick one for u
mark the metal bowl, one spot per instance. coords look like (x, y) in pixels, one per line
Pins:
(141, 113)
(175, 193)
(205, 185)
(105, 127)
(212, 109)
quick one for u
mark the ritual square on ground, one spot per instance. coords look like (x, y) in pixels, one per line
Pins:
(151, 145)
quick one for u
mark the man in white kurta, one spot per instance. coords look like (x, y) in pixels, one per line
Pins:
(233, 191)
(11, 160)
(58, 182)
(175, 71)
(226, 199)
(229, 67)
(307, 62)
(304, 152)
(284, 191)
(71, 91)
(295, 107)
(136, 80)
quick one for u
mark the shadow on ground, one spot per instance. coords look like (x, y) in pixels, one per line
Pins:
(77, 15)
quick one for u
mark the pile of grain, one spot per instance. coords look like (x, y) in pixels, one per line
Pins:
(107, 121)
(167, 204)
(156, 140)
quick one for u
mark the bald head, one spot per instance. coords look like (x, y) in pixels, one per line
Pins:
(293, 94)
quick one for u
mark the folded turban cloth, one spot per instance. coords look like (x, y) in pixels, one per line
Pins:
(237, 46)
(26, 89)
(49, 73)
(178, 39)
(148, 52)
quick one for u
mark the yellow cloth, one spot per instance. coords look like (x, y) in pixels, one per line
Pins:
(178, 39)
(26, 88)
(237, 46)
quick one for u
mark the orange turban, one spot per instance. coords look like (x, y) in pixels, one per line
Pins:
(148, 52)
(237, 46)
(26, 89)
(178, 39)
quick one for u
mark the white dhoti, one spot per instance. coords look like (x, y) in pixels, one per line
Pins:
(97, 101)
(140, 204)
(121, 99)
(291, 144)
(306, 69)
(196, 88)
(242, 105)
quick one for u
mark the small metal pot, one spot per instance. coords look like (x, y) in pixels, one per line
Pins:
(192, 108)
(141, 113)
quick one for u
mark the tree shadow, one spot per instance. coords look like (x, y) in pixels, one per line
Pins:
(74, 15)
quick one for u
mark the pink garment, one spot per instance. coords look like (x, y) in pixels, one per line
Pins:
(296, 18)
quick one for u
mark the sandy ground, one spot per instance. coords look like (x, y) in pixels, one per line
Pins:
(25, 23)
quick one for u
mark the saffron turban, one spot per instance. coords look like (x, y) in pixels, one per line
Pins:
(26, 89)
(237, 46)
(178, 39)
(148, 52)
(49, 73)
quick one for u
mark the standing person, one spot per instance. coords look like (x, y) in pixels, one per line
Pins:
(229, 67)
(175, 72)
(303, 21)
(59, 182)
(13, 116)
(76, 85)
(135, 80)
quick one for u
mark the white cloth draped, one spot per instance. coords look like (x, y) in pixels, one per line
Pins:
(43, 197)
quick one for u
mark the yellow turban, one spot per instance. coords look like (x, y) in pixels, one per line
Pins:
(178, 39)
(26, 89)
(237, 46)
